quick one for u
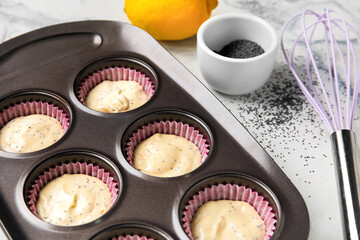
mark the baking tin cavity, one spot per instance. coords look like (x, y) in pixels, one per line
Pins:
(132, 231)
(74, 162)
(29, 102)
(223, 187)
(177, 122)
(115, 69)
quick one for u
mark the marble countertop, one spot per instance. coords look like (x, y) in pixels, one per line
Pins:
(277, 115)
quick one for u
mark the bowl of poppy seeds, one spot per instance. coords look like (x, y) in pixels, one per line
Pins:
(236, 52)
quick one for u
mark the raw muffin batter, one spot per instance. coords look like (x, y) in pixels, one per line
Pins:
(73, 199)
(166, 155)
(30, 133)
(116, 96)
(225, 219)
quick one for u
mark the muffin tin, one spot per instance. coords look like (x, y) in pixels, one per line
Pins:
(53, 61)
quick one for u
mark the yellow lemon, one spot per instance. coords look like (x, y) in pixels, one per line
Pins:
(169, 19)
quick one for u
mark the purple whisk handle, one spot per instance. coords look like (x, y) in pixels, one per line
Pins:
(348, 176)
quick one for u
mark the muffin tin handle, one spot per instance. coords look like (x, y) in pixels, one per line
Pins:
(9, 47)
(4, 234)
(7, 51)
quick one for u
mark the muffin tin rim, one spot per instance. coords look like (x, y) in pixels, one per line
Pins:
(22, 200)
(130, 129)
(139, 225)
(37, 91)
(76, 82)
(178, 208)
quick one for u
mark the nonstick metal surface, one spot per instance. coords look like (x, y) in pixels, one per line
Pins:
(52, 62)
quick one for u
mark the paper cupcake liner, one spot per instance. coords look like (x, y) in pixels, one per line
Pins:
(230, 192)
(167, 127)
(131, 237)
(115, 74)
(34, 107)
(70, 168)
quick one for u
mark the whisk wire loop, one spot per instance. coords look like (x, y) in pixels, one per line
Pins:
(331, 111)
(315, 67)
(335, 80)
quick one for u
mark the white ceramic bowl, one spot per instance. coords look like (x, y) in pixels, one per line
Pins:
(230, 75)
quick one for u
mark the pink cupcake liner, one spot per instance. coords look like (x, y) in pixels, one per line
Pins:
(70, 168)
(34, 107)
(230, 192)
(167, 127)
(131, 237)
(114, 74)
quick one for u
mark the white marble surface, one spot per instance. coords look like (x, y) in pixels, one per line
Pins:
(277, 115)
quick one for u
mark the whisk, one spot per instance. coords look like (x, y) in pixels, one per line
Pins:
(334, 97)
